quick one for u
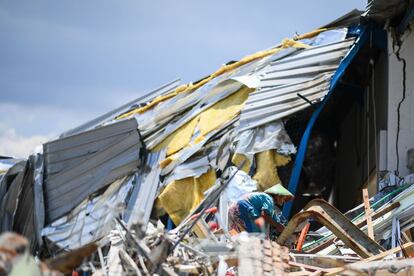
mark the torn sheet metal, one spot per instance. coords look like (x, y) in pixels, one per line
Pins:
(145, 191)
(9, 202)
(24, 216)
(39, 201)
(325, 55)
(17, 208)
(80, 165)
(186, 153)
(335, 221)
(194, 167)
(91, 220)
(64, 153)
(271, 104)
(9, 176)
(306, 72)
(216, 94)
(266, 137)
(7, 163)
(191, 102)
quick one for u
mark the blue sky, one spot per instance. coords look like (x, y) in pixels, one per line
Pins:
(64, 62)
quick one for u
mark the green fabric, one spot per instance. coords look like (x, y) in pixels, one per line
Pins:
(278, 189)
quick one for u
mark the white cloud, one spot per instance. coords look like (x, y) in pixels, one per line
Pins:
(15, 145)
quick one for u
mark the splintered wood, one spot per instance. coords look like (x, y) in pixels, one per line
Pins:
(367, 208)
(262, 257)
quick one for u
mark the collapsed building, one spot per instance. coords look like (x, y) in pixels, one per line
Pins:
(327, 114)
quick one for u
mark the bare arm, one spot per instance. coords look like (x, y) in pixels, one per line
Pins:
(279, 227)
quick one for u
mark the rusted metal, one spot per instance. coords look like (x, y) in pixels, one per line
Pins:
(359, 223)
(335, 221)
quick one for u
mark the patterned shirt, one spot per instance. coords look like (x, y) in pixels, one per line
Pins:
(263, 202)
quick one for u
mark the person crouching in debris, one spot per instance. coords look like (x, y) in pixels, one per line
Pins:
(244, 213)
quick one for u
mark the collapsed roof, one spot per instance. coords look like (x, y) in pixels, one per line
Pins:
(162, 152)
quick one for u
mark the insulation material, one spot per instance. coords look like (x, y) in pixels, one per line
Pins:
(223, 111)
(180, 197)
(213, 118)
(266, 173)
(238, 159)
(179, 138)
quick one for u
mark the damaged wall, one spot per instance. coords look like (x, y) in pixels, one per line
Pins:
(396, 76)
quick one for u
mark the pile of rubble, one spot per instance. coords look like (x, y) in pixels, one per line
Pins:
(146, 188)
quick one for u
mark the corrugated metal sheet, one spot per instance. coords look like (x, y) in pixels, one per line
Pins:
(91, 220)
(24, 218)
(9, 202)
(66, 152)
(8, 177)
(306, 72)
(146, 186)
(17, 208)
(39, 201)
(79, 165)
(206, 100)
(187, 152)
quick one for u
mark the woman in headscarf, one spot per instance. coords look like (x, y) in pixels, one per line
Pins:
(244, 213)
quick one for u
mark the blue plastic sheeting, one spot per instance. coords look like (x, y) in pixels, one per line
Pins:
(364, 32)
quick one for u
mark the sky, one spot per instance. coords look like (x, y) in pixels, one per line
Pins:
(65, 62)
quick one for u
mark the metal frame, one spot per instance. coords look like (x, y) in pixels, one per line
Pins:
(339, 224)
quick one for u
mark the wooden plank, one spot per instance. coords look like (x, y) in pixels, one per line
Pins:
(360, 223)
(324, 261)
(335, 221)
(368, 213)
(382, 255)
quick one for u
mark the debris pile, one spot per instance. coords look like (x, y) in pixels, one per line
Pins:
(147, 188)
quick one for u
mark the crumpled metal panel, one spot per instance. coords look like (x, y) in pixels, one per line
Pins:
(145, 191)
(9, 202)
(217, 93)
(9, 176)
(194, 167)
(20, 206)
(306, 72)
(24, 216)
(187, 152)
(7, 162)
(79, 165)
(66, 152)
(39, 201)
(91, 220)
(262, 138)
(335, 221)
